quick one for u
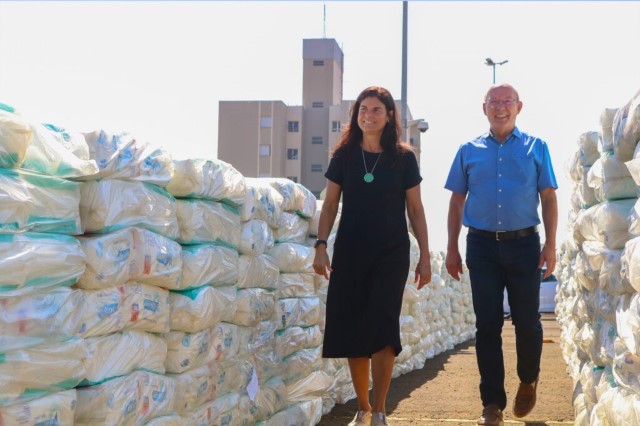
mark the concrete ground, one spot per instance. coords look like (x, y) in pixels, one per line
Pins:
(445, 390)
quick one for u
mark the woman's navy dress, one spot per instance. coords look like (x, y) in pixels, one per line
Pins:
(371, 254)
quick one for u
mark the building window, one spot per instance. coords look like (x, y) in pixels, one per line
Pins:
(293, 178)
(317, 104)
(293, 126)
(292, 154)
(335, 126)
(265, 150)
(318, 62)
(265, 122)
(316, 140)
(264, 174)
(316, 167)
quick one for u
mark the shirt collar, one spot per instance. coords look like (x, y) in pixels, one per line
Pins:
(516, 132)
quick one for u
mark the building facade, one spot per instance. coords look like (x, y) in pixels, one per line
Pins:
(271, 139)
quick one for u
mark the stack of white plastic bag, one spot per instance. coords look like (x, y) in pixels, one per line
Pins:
(126, 305)
(597, 299)
(435, 318)
(204, 346)
(298, 335)
(40, 316)
(128, 190)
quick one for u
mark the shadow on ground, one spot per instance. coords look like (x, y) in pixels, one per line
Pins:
(402, 386)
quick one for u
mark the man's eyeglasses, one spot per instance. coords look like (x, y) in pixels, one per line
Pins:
(507, 103)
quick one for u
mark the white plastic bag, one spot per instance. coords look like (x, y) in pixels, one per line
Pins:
(199, 308)
(109, 205)
(131, 254)
(55, 409)
(605, 132)
(211, 179)
(119, 354)
(50, 367)
(33, 262)
(292, 229)
(48, 156)
(204, 221)
(256, 238)
(38, 203)
(15, 137)
(626, 129)
(293, 257)
(122, 156)
(40, 318)
(611, 179)
(254, 305)
(257, 271)
(295, 197)
(208, 264)
(129, 400)
(262, 201)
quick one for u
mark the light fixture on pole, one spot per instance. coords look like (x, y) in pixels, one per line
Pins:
(490, 62)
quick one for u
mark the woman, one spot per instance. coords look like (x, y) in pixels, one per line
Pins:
(378, 177)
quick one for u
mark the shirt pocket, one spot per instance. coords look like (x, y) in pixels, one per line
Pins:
(524, 166)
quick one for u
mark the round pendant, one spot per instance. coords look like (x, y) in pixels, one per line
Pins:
(368, 177)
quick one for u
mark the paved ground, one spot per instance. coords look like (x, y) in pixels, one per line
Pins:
(445, 390)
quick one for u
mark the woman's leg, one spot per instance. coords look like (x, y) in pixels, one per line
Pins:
(359, 368)
(381, 371)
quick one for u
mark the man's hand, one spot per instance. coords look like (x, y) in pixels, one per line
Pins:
(453, 262)
(548, 256)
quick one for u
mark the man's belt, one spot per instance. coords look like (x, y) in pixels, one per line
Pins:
(505, 235)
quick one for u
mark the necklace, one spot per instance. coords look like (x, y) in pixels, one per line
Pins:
(368, 176)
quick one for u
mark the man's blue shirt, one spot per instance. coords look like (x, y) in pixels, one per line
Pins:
(502, 180)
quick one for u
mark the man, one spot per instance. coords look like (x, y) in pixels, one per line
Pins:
(497, 181)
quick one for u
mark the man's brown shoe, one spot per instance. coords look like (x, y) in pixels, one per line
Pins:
(491, 416)
(525, 399)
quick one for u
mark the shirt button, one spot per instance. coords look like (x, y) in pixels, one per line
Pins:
(499, 206)
(499, 190)
(499, 223)
(500, 159)
(499, 174)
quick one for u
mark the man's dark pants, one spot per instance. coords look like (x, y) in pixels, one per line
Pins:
(494, 265)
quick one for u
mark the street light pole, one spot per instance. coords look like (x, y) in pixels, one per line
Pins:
(403, 93)
(490, 62)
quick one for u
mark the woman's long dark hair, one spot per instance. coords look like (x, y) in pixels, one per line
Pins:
(390, 139)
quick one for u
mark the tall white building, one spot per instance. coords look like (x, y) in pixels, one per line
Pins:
(271, 139)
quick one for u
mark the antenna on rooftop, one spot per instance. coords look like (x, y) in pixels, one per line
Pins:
(324, 20)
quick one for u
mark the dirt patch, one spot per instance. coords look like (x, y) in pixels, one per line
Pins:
(445, 391)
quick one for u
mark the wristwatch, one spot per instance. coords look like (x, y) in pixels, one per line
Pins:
(318, 242)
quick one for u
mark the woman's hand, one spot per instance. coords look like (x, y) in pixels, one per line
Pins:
(423, 271)
(321, 262)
